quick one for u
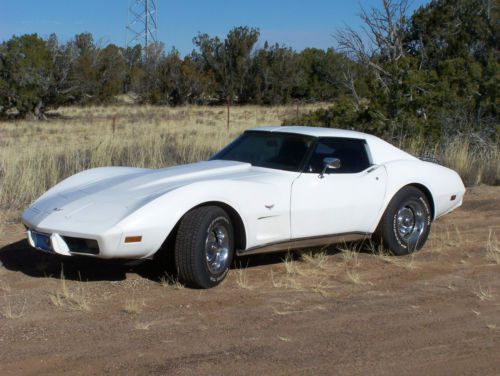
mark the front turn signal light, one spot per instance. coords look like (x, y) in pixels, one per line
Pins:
(133, 239)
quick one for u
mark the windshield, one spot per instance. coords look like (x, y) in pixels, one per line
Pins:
(282, 151)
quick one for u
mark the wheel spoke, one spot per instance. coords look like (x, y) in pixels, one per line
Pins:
(410, 222)
(217, 247)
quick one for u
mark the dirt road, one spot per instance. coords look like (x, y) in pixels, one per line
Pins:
(343, 313)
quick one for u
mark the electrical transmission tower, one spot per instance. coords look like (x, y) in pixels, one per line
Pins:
(142, 26)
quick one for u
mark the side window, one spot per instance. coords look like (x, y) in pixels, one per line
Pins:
(351, 152)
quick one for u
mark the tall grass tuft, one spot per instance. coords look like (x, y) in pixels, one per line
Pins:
(477, 161)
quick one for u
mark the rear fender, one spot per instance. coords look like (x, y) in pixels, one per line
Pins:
(440, 182)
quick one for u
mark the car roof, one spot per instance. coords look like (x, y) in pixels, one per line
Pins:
(381, 151)
(313, 131)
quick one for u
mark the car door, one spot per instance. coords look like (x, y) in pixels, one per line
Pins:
(345, 200)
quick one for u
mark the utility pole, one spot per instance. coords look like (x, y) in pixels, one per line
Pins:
(142, 24)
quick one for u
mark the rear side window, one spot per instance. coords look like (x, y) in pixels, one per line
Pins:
(352, 153)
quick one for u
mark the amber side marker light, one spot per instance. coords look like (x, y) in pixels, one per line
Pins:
(133, 239)
(453, 198)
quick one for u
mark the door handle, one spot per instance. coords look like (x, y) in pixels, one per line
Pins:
(373, 168)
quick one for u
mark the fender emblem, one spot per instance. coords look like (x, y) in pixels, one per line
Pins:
(270, 206)
(57, 209)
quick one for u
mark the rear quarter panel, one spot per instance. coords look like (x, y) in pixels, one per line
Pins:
(442, 183)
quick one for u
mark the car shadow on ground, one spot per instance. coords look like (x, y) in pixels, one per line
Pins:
(20, 257)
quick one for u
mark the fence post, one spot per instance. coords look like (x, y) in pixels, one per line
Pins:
(113, 124)
(297, 111)
(228, 110)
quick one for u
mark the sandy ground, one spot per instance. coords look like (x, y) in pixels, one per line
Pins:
(434, 313)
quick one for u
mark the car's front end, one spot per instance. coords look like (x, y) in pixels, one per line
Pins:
(56, 232)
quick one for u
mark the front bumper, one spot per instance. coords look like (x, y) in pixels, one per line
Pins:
(62, 245)
(109, 245)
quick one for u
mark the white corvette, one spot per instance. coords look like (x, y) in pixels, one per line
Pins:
(273, 188)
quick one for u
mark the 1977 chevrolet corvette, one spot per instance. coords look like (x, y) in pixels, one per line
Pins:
(273, 188)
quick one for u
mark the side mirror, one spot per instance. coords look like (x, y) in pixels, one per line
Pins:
(330, 163)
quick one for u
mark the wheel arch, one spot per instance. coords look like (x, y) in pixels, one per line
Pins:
(240, 238)
(166, 249)
(426, 192)
(393, 192)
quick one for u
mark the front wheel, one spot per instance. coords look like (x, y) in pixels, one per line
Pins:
(204, 247)
(406, 223)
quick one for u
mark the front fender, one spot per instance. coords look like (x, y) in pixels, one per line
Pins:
(157, 218)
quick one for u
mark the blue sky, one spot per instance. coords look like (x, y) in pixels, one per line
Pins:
(295, 23)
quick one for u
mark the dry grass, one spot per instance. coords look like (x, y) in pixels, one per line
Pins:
(406, 262)
(8, 310)
(134, 306)
(493, 248)
(290, 265)
(476, 160)
(171, 282)
(316, 259)
(72, 298)
(5, 287)
(289, 308)
(303, 276)
(350, 263)
(286, 281)
(144, 325)
(484, 294)
(450, 237)
(242, 278)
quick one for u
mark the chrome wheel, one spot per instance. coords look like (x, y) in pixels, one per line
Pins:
(410, 222)
(405, 225)
(217, 247)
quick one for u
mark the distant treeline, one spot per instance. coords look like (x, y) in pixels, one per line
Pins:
(434, 72)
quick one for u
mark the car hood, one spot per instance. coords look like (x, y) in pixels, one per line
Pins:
(110, 199)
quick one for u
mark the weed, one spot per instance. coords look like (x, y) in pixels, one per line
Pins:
(144, 325)
(75, 299)
(242, 278)
(406, 262)
(493, 248)
(316, 259)
(171, 282)
(133, 306)
(484, 294)
(9, 313)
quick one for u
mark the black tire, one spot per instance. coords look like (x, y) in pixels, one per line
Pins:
(406, 223)
(204, 247)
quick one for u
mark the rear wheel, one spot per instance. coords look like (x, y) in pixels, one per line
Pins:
(405, 225)
(204, 247)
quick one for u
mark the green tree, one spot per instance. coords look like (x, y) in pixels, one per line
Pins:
(320, 74)
(135, 75)
(458, 42)
(26, 75)
(229, 61)
(274, 75)
(110, 72)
